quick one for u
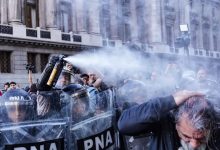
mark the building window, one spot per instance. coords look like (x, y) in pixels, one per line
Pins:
(65, 17)
(5, 62)
(213, 12)
(127, 33)
(39, 61)
(44, 60)
(194, 41)
(206, 44)
(194, 38)
(31, 14)
(125, 1)
(191, 3)
(203, 9)
(31, 60)
(169, 35)
(166, 2)
(105, 20)
(140, 10)
(215, 43)
(125, 21)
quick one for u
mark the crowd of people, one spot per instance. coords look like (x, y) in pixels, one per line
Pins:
(177, 109)
(48, 103)
(7, 86)
(157, 104)
(78, 97)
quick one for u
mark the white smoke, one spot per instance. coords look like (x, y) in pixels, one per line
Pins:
(114, 63)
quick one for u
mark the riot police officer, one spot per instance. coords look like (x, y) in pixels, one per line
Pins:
(79, 102)
(17, 108)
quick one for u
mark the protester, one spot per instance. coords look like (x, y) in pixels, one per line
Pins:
(131, 93)
(13, 85)
(155, 85)
(92, 91)
(97, 81)
(204, 81)
(85, 79)
(188, 125)
(6, 87)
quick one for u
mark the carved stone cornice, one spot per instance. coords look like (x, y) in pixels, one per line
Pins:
(37, 43)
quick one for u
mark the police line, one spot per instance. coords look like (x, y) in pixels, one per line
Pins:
(99, 141)
(91, 133)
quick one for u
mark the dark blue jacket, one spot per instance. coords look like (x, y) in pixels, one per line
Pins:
(152, 117)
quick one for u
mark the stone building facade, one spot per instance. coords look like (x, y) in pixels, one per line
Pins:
(33, 30)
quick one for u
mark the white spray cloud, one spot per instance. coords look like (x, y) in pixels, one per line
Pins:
(111, 62)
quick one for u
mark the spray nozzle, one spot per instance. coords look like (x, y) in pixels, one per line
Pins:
(61, 57)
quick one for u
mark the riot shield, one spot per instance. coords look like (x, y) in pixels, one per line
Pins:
(132, 93)
(24, 127)
(35, 134)
(136, 143)
(96, 130)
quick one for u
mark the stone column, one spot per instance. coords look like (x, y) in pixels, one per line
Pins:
(133, 21)
(73, 14)
(38, 65)
(14, 11)
(80, 16)
(200, 31)
(155, 23)
(94, 16)
(42, 14)
(19, 58)
(113, 19)
(51, 14)
(4, 13)
(187, 13)
(211, 47)
(146, 22)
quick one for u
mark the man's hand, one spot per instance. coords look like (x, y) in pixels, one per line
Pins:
(182, 96)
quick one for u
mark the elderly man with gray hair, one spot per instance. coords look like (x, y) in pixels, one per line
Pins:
(182, 121)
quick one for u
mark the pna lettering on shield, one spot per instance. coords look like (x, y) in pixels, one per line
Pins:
(57, 144)
(99, 141)
(52, 147)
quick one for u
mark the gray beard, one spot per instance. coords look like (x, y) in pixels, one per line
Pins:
(186, 146)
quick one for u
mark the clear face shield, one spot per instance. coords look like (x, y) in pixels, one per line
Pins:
(80, 109)
(17, 108)
(18, 112)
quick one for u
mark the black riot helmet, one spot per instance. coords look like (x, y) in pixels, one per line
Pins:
(79, 101)
(17, 106)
